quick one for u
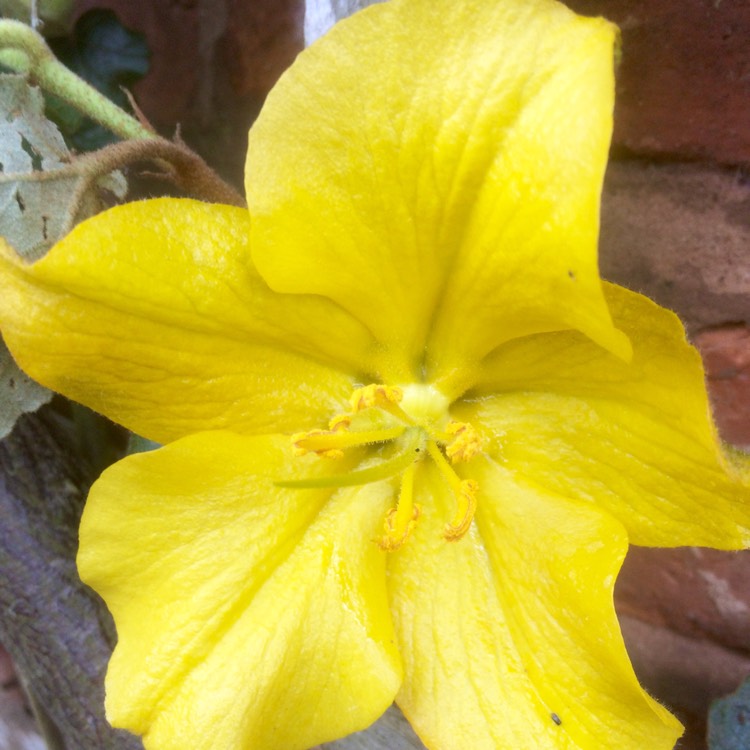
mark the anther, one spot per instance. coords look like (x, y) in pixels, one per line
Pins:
(465, 510)
(395, 538)
(397, 464)
(465, 443)
(383, 397)
(341, 422)
(305, 442)
(465, 491)
(400, 521)
(375, 395)
(331, 443)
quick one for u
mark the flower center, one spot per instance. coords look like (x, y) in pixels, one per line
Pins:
(408, 426)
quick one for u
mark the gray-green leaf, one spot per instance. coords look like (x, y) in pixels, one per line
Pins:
(18, 392)
(41, 197)
(729, 721)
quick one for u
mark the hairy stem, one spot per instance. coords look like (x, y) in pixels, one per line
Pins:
(23, 49)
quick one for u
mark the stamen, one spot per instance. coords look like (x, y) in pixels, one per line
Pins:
(465, 491)
(330, 443)
(397, 463)
(341, 422)
(465, 510)
(465, 443)
(429, 431)
(401, 520)
(301, 444)
(375, 395)
(383, 397)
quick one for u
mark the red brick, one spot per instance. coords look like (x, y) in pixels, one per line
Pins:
(683, 87)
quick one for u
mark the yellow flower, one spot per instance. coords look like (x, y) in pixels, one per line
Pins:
(408, 440)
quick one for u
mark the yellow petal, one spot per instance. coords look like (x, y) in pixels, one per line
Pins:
(435, 167)
(153, 314)
(247, 616)
(509, 636)
(635, 438)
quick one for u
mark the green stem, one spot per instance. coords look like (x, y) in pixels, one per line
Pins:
(24, 50)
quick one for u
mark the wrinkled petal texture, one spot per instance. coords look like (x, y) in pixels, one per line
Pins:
(446, 194)
(515, 624)
(635, 438)
(154, 315)
(247, 616)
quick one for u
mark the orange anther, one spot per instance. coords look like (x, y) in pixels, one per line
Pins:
(467, 506)
(341, 422)
(395, 537)
(375, 395)
(466, 442)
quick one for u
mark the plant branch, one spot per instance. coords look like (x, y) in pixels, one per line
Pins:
(181, 165)
(24, 50)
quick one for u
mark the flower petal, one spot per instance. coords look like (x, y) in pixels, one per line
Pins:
(435, 167)
(153, 314)
(247, 615)
(509, 636)
(635, 438)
